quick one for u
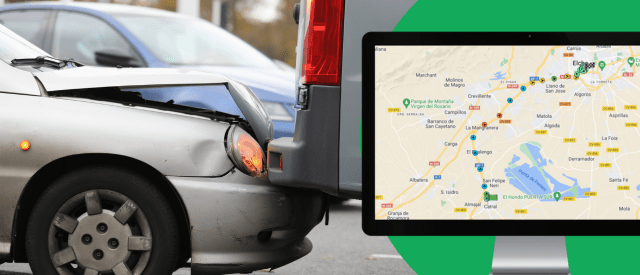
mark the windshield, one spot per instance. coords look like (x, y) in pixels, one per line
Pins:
(13, 46)
(183, 41)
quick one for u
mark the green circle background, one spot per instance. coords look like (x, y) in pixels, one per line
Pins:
(473, 255)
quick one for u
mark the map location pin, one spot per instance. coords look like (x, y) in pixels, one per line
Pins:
(630, 61)
(601, 64)
(406, 102)
(557, 196)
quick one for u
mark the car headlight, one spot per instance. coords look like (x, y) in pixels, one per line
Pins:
(276, 111)
(245, 152)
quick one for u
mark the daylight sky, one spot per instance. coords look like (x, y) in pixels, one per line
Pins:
(265, 11)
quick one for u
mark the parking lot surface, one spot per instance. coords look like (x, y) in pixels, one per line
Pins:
(339, 248)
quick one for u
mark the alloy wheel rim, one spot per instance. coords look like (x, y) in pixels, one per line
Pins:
(99, 232)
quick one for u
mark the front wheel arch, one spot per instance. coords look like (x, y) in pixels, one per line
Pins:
(48, 173)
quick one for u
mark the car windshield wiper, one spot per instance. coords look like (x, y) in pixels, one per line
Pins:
(44, 61)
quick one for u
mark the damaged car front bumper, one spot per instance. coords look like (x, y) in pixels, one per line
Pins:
(241, 224)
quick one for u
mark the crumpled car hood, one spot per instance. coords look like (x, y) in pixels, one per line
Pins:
(97, 77)
(280, 84)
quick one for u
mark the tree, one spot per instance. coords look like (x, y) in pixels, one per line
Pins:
(276, 39)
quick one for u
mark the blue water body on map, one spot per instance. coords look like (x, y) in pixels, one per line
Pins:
(528, 179)
(531, 179)
(498, 76)
(535, 153)
(575, 181)
(557, 186)
(514, 159)
(638, 187)
(580, 190)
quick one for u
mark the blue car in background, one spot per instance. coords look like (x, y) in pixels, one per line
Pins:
(111, 35)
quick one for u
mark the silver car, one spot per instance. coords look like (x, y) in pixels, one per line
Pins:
(95, 179)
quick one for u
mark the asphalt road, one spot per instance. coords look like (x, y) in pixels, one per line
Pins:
(339, 248)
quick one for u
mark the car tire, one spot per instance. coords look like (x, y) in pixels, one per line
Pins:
(102, 219)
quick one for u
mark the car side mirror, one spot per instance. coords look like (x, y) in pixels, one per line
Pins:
(112, 58)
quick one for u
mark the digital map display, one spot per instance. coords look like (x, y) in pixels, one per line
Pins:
(507, 132)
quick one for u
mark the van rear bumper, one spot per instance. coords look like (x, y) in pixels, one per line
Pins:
(310, 158)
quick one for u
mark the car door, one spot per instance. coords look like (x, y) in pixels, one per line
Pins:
(28, 23)
(91, 41)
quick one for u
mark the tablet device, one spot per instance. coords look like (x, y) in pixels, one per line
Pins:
(500, 133)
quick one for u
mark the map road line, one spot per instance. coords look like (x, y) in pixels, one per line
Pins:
(465, 121)
(597, 76)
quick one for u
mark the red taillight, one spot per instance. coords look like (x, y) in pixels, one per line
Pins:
(280, 162)
(322, 53)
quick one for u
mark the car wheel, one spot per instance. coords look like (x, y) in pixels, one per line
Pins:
(102, 220)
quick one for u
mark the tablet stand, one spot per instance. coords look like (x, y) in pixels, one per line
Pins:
(530, 255)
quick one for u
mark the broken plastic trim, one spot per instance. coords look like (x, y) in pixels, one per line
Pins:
(254, 111)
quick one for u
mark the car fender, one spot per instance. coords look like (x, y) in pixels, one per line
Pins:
(174, 144)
